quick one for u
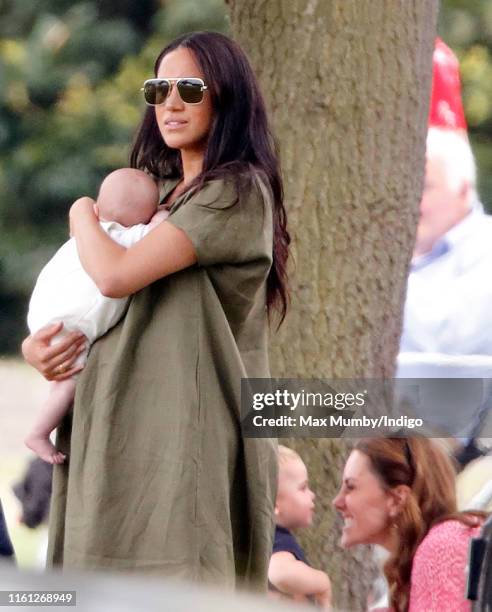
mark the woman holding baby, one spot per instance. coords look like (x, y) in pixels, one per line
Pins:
(158, 478)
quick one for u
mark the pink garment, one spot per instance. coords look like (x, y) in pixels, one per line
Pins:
(439, 566)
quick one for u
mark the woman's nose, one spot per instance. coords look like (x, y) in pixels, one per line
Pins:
(173, 100)
(338, 501)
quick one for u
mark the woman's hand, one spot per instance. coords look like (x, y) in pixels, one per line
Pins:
(54, 362)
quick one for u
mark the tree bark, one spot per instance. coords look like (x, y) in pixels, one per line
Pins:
(348, 85)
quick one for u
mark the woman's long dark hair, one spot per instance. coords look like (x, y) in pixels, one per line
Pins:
(239, 143)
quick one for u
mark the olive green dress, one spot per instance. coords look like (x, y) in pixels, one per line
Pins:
(159, 479)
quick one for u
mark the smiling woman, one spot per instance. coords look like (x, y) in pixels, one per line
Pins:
(400, 493)
(159, 479)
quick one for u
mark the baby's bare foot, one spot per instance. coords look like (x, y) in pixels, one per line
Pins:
(45, 449)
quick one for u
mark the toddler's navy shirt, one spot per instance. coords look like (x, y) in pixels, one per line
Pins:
(286, 542)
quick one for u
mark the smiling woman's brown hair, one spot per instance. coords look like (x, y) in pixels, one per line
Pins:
(240, 142)
(426, 468)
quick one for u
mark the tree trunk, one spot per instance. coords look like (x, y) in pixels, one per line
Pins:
(348, 84)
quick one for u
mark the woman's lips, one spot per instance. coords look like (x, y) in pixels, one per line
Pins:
(174, 124)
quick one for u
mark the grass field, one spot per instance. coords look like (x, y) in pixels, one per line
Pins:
(22, 390)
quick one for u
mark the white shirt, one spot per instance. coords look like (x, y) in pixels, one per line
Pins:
(447, 330)
(448, 307)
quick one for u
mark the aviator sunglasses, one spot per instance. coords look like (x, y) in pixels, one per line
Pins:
(190, 90)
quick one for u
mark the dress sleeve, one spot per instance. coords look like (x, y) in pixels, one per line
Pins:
(438, 572)
(226, 227)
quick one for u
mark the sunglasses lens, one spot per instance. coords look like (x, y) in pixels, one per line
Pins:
(191, 90)
(155, 92)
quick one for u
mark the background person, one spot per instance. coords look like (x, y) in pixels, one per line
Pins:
(159, 479)
(399, 493)
(447, 325)
(34, 493)
(447, 308)
(6, 548)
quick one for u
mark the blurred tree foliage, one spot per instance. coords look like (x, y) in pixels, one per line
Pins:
(70, 74)
(70, 78)
(466, 26)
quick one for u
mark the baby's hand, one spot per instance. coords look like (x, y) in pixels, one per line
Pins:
(158, 217)
(80, 208)
(161, 213)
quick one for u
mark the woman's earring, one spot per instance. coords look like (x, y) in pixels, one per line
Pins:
(393, 522)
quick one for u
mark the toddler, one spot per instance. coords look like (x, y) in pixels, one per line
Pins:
(289, 573)
(128, 209)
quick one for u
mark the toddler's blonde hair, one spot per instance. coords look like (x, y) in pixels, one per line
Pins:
(286, 454)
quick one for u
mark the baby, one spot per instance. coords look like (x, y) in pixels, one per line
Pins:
(128, 209)
(289, 574)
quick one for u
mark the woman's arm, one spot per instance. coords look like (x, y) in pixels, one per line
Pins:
(118, 271)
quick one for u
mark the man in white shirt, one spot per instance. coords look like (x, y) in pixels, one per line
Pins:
(447, 330)
(448, 307)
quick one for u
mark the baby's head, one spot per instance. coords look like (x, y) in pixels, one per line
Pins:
(295, 501)
(127, 196)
